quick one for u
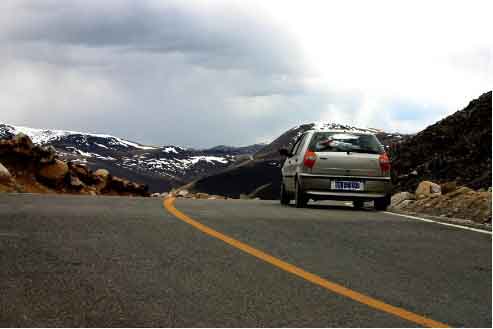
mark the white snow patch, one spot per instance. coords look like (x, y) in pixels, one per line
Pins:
(86, 154)
(43, 136)
(319, 125)
(101, 145)
(210, 159)
(137, 146)
(170, 150)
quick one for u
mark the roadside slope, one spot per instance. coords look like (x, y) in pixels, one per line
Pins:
(456, 148)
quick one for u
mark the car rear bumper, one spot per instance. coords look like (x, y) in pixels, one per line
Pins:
(321, 186)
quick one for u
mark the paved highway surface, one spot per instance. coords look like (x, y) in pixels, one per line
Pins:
(110, 261)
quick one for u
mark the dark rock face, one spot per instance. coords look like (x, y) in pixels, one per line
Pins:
(457, 148)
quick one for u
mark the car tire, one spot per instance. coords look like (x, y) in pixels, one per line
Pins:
(299, 197)
(381, 204)
(284, 197)
(358, 204)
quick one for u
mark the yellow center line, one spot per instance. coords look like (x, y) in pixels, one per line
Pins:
(313, 278)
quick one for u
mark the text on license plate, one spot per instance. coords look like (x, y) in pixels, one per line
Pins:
(347, 185)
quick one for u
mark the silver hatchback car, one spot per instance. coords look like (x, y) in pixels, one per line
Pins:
(336, 165)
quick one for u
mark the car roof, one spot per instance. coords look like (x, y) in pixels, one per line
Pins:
(361, 132)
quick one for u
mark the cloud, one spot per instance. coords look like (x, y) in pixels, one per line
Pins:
(199, 73)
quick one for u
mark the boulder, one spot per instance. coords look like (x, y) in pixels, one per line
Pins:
(103, 173)
(102, 178)
(202, 195)
(125, 187)
(83, 173)
(75, 182)
(118, 184)
(23, 144)
(406, 204)
(54, 172)
(427, 188)
(182, 193)
(45, 154)
(5, 176)
(217, 197)
(399, 197)
(448, 187)
(459, 191)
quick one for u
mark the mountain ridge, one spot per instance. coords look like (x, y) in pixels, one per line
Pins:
(160, 167)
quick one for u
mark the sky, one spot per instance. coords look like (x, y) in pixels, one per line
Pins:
(203, 73)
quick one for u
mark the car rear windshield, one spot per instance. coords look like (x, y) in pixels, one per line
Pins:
(345, 142)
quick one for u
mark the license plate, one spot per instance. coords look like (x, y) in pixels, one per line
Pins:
(347, 185)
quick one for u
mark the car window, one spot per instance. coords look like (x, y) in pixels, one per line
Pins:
(294, 148)
(300, 144)
(297, 146)
(345, 142)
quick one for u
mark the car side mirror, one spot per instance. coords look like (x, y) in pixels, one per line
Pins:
(284, 152)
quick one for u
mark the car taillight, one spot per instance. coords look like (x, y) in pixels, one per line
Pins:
(384, 162)
(309, 159)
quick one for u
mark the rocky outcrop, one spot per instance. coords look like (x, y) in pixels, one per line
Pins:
(102, 177)
(5, 176)
(53, 173)
(462, 203)
(398, 198)
(448, 187)
(33, 168)
(7, 182)
(457, 148)
(426, 189)
(102, 173)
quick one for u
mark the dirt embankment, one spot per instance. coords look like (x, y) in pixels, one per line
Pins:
(446, 201)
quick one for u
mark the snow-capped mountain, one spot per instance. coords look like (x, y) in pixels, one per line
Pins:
(162, 167)
(271, 151)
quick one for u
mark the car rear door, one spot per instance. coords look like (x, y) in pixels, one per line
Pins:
(347, 154)
(347, 164)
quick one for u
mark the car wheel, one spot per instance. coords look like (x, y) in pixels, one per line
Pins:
(284, 197)
(358, 204)
(381, 204)
(300, 197)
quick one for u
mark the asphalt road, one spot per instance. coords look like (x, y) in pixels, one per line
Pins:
(111, 261)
